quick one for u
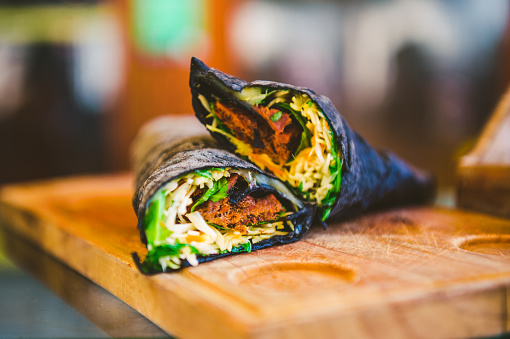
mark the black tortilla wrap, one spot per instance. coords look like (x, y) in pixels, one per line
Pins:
(370, 178)
(162, 152)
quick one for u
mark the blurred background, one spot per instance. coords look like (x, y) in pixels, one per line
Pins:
(78, 78)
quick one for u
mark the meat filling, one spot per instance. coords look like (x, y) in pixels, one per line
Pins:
(250, 210)
(274, 135)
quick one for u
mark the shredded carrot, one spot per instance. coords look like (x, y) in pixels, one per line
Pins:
(197, 238)
(269, 164)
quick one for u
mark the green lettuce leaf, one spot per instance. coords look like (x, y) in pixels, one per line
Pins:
(215, 193)
(155, 231)
(151, 261)
(246, 247)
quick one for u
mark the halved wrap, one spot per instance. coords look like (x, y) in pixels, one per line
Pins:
(301, 138)
(196, 202)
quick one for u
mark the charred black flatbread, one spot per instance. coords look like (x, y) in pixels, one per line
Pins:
(196, 202)
(288, 130)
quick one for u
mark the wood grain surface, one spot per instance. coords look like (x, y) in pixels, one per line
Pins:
(483, 176)
(419, 272)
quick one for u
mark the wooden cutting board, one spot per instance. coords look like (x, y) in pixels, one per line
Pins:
(483, 175)
(406, 273)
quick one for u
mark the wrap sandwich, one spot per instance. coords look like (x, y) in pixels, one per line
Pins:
(301, 138)
(196, 202)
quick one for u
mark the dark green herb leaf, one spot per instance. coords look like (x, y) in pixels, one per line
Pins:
(309, 103)
(329, 200)
(280, 215)
(215, 193)
(210, 191)
(336, 173)
(301, 192)
(246, 247)
(338, 164)
(304, 143)
(151, 261)
(306, 195)
(221, 193)
(275, 117)
(217, 226)
(239, 249)
(326, 214)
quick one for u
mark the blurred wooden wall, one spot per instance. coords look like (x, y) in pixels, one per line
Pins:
(155, 86)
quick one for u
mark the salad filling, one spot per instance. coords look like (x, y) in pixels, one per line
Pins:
(214, 211)
(285, 132)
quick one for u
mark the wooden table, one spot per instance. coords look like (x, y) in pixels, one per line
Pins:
(412, 272)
